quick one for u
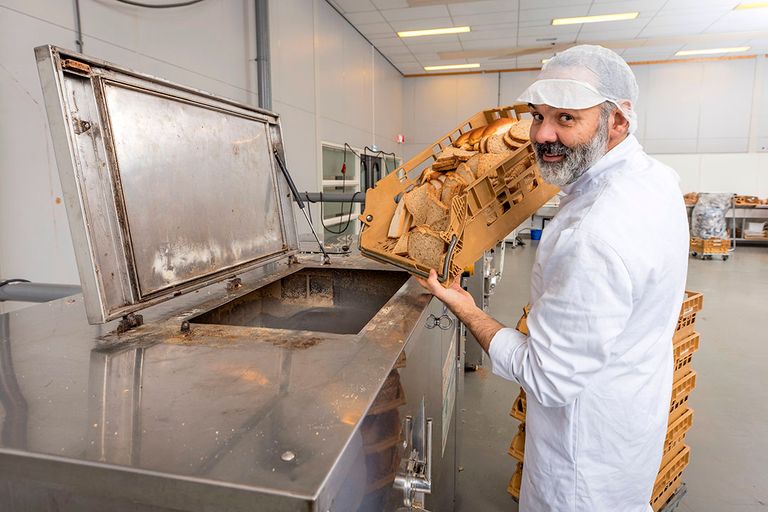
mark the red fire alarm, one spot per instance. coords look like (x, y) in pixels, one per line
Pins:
(400, 139)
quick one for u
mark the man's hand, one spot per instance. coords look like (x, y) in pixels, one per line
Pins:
(458, 300)
(455, 297)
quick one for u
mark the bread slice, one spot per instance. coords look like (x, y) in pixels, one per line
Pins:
(398, 221)
(437, 186)
(426, 247)
(452, 187)
(473, 163)
(449, 152)
(496, 144)
(488, 163)
(511, 143)
(446, 164)
(415, 202)
(401, 248)
(465, 173)
(521, 130)
(436, 214)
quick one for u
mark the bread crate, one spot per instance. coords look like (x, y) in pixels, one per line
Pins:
(676, 431)
(518, 406)
(516, 481)
(682, 351)
(669, 479)
(503, 190)
(517, 447)
(681, 390)
(713, 246)
(692, 304)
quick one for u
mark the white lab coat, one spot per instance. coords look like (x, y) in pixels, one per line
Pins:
(606, 291)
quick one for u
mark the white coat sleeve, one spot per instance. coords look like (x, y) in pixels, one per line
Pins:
(584, 306)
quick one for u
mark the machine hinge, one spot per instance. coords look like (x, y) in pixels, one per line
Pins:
(129, 321)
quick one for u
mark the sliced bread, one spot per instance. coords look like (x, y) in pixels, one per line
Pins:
(426, 247)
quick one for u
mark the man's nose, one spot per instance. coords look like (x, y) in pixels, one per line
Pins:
(544, 132)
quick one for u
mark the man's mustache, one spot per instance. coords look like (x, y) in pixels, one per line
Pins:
(550, 148)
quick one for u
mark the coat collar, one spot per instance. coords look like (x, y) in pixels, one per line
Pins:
(592, 177)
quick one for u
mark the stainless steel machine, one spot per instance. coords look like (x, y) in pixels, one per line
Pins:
(221, 369)
(481, 285)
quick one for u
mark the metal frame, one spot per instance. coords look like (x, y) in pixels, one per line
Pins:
(82, 138)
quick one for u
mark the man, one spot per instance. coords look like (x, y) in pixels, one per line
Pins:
(606, 290)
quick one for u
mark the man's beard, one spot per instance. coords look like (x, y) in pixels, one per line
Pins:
(578, 159)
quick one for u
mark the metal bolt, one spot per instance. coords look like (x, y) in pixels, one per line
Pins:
(288, 456)
(369, 218)
(185, 326)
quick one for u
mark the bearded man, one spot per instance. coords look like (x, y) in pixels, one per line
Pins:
(605, 293)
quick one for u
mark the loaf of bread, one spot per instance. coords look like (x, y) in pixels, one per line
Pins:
(499, 126)
(475, 135)
(426, 247)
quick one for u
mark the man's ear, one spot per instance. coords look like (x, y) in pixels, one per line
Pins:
(618, 126)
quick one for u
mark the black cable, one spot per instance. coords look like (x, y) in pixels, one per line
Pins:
(160, 6)
(9, 281)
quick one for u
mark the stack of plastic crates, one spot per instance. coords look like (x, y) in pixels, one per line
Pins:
(668, 489)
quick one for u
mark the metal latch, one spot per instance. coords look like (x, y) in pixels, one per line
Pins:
(415, 475)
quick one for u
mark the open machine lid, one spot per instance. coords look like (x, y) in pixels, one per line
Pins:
(167, 188)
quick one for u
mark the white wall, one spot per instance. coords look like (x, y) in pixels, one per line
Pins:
(34, 234)
(707, 119)
(329, 85)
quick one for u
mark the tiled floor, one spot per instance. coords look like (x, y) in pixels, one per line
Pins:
(729, 438)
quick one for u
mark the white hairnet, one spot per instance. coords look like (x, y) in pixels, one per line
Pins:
(584, 76)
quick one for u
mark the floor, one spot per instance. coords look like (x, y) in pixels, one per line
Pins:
(729, 438)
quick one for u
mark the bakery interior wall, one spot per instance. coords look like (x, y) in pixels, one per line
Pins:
(707, 119)
(328, 84)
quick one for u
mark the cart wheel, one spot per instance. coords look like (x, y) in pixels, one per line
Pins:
(694, 254)
(708, 257)
(725, 258)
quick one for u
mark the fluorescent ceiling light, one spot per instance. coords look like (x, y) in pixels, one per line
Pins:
(709, 51)
(451, 66)
(433, 32)
(596, 19)
(751, 5)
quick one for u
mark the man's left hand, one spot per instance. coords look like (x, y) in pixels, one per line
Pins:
(455, 297)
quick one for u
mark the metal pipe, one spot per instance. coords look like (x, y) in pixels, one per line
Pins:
(263, 71)
(37, 292)
(78, 28)
(333, 197)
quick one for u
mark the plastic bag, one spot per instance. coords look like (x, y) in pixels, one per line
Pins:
(708, 218)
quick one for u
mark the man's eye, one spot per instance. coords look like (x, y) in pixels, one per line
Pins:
(566, 118)
(537, 117)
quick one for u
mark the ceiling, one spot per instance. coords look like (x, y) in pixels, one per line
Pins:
(513, 34)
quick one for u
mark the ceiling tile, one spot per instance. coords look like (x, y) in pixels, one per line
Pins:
(489, 44)
(487, 18)
(390, 4)
(448, 46)
(672, 30)
(644, 7)
(538, 4)
(347, 6)
(361, 18)
(420, 24)
(372, 29)
(418, 41)
(469, 8)
(411, 13)
(510, 33)
(547, 15)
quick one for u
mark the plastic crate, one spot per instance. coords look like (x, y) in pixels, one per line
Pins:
(515, 482)
(522, 324)
(518, 406)
(681, 390)
(706, 248)
(669, 479)
(486, 212)
(676, 436)
(517, 447)
(683, 355)
(692, 304)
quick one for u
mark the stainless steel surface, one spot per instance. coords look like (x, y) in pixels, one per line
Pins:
(156, 419)
(167, 188)
(474, 355)
(36, 292)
